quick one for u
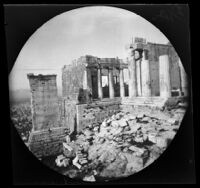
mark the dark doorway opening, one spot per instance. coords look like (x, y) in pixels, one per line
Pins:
(94, 87)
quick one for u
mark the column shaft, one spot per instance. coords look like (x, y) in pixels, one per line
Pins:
(138, 73)
(164, 68)
(132, 78)
(121, 77)
(111, 84)
(100, 91)
(146, 81)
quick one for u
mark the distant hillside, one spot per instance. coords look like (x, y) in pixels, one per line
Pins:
(23, 95)
(19, 96)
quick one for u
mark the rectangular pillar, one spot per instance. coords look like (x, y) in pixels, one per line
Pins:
(111, 84)
(183, 78)
(44, 101)
(100, 91)
(87, 80)
(146, 81)
(121, 81)
(164, 68)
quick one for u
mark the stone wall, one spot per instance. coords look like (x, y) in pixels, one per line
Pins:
(155, 51)
(44, 101)
(72, 79)
(46, 143)
(69, 114)
(96, 112)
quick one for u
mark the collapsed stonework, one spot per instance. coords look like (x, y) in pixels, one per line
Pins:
(117, 115)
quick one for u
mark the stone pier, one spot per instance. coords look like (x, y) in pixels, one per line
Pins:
(99, 79)
(111, 84)
(87, 83)
(132, 75)
(47, 134)
(164, 70)
(146, 81)
(121, 79)
(138, 73)
(184, 79)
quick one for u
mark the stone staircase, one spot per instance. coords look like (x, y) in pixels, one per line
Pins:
(144, 101)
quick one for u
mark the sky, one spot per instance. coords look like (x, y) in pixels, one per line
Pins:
(100, 31)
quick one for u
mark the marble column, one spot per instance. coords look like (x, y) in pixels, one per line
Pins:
(183, 78)
(111, 84)
(121, 81)
(164, 74)
(146, 81)
(132, 77)
(138, 74)
(99, 79)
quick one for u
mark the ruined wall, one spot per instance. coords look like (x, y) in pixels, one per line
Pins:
(95, 112)
(155, 51)
(69, 114)
(72, 79)
(48, 132)
(46, 143)
(44, 101)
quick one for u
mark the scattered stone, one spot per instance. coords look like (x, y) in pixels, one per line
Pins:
(75, 162)
(96, 129)
(66, 162)
(104, 124)
(132, 117)
(115, 124)
(139, 151)
(161, 142)
(122, 123)
(89, 178)
(59, 160)
(67, 138)
(146, 119)
(140, 116)
(173, 121)
(83, 161)
(134, 126)
(152, 137)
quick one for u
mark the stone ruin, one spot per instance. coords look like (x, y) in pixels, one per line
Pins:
(92, 119)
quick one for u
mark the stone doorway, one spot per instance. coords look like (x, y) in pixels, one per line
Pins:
(105, 86)
(94, 87)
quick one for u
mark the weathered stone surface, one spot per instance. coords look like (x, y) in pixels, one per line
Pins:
(89, 178)
(123, 145)
(44, 101)
(45, 143)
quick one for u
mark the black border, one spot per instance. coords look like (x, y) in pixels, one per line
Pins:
(176, 165)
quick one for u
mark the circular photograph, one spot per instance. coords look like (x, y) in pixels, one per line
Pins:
(97, 93)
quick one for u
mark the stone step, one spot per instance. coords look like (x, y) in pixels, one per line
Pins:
(151, 101)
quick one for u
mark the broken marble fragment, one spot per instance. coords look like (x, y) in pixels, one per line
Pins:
(89, 178)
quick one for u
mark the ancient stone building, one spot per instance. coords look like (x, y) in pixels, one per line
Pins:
(156, 64)
(95, 88)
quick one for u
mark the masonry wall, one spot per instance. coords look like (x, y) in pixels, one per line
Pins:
(47, 143)
(95, 113)
(44, 101)
(72, 79)
(155, 51)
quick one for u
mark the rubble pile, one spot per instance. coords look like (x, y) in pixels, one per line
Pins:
(121, 145)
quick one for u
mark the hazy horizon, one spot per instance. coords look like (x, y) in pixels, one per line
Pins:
(100, 31)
